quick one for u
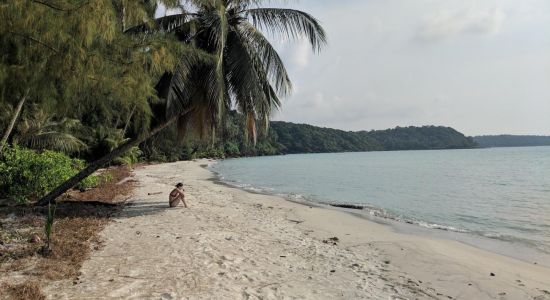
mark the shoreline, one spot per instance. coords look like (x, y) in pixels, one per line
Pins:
(233, 244)
(494, 245)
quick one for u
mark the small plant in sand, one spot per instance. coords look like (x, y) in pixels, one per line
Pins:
(48, 228)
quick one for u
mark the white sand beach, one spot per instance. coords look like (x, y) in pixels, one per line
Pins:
(232, 244)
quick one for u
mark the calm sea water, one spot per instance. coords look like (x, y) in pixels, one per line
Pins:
(500, 193)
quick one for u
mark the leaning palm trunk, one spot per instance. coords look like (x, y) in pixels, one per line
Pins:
(13, 120)
(94, 166)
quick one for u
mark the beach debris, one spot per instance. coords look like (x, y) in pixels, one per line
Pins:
(349, 206)
(356, 265)
(332, 241)
(156, 193)
(138, 232)
(35, 239)
(295, 221)
(283, 256)
(492, 274)
(387, 262)
(332, 271)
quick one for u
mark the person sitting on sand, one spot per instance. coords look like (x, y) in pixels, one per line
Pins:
(176, 195)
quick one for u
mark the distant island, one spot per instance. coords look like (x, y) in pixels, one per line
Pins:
(487, 141)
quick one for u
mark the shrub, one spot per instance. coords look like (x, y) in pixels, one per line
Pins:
(28, 175)
(130, 158)
(232, 149)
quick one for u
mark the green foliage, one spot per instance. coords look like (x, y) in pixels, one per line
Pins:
(48, 227)
(27, 175)
(131, 157)
(421, 138)
(300, 138)
(79, 64)
(40, 131)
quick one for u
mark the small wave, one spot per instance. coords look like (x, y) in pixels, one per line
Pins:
(441, 227)
(382, 213)
(516, 240)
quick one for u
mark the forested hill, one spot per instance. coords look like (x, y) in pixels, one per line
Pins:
(301, 138)
(512, 140)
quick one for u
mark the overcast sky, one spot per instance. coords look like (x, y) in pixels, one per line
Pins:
(480, 66)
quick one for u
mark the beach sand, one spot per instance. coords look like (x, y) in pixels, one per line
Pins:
(232, 244)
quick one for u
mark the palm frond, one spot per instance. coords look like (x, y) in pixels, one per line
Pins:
(53, 140)
(290, 23)
(270, 59)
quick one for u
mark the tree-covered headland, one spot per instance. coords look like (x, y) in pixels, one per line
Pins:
(291, 138)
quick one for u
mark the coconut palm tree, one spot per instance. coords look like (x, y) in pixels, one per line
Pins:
(244, 72)
(43, 132)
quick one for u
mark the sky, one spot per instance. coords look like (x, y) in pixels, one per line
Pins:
(479, 66)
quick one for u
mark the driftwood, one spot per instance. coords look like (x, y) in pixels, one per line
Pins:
(350, 206)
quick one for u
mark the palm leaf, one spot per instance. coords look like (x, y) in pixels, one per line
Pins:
(289, 23)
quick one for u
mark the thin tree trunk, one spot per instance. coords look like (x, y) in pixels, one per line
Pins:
(13, 120)
(128, 121)
(94, 166)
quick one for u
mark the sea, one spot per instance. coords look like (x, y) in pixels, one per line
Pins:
(495, 198)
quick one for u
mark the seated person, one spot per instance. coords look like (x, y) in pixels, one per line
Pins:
(176, 195)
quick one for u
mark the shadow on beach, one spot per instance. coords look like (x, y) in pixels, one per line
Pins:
(138, 208)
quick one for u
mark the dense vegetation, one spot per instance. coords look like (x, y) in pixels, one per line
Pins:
(27, 174)
(96, 79)
(512, 140)
(290, 138)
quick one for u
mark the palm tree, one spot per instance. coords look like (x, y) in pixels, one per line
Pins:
(245, 71)
(42, 132)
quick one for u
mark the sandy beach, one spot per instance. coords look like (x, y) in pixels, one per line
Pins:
(232, 244)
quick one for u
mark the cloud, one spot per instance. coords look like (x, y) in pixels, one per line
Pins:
(446, 24)
(301, 54)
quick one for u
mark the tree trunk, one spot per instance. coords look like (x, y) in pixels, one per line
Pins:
(128, 121)
(94, 166)
(13, 120)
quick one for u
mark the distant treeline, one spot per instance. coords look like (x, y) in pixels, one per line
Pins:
(290, 138)
(512, 140)
(300, 138)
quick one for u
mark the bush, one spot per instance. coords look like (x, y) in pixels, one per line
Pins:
(130, 158)
(28, 175)
(232, 149)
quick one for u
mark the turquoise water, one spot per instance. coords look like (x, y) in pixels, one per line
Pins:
(499, 193)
